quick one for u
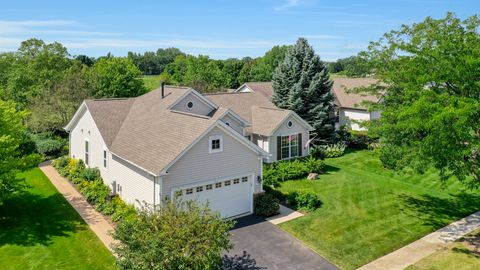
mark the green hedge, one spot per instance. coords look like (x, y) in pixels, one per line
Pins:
(91, 185)
(285, 170)
(305, 201)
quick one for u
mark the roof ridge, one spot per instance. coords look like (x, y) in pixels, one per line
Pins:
(109, 99)
(224, 93)
(273, 108)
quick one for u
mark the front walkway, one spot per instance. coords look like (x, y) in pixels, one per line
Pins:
(286, 214)
(414, 252)
(97, 223)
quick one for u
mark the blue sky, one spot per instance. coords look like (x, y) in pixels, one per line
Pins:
(218, 28)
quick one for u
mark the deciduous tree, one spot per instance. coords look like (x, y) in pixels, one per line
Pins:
(431, 108)
(175, 236)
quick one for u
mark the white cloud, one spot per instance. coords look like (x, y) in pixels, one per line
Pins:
(289, 4)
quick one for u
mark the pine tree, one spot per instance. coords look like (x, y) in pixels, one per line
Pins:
(301, 83)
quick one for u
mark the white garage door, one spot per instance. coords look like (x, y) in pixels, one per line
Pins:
(231, 197)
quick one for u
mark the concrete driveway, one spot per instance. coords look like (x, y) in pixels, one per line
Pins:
(273, 248)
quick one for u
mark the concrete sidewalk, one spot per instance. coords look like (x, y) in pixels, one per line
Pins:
(97, 223)
(414, 252)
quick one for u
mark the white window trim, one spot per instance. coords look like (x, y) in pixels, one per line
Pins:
(289, 147)
(288, 122)
(212, 138)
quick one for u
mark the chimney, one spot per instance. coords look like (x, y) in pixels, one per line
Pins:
(163, 90)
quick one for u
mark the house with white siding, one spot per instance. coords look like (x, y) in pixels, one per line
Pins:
(349, 109)
(176, 143)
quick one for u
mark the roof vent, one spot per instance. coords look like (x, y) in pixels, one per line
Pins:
(163, 90)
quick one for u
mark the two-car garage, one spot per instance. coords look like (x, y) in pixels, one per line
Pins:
(231, 197)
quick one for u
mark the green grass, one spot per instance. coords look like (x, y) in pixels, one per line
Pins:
(40, 230)
(151, 81)
(458, 256)
(369, 211)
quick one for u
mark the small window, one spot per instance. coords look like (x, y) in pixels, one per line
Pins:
(227, 123)
(215, 144)
(87, 154)
(199, 189)
(289, 124)
(105, 159)
(236, 181)
(190, 105)
(178, 193)
(244, 179)
(218, 185)
(208, 187)
(189, 191)
(227, 183)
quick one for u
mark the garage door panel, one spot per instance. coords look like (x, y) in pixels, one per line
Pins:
(229, 197)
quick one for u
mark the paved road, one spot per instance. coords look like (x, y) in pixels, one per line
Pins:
(273, 248)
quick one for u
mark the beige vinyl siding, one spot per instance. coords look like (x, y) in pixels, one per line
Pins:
(199, 105)
(234, 123)
(283, 130)
(197, 165)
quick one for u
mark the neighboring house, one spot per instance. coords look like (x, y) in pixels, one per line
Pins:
(170, 143)
(348, 107)
(281, 133)
(349, 110)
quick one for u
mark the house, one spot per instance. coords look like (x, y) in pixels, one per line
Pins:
(349, 110)
(281, 133)
(170, 143)
(348, 107)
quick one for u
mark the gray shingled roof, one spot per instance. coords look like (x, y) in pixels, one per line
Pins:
(352, 100)
(342, 99)
(150, 135)
(265, 120)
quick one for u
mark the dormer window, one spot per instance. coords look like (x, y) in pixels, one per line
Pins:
(190, 105)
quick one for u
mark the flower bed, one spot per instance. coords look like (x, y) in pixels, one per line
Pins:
(90, 184)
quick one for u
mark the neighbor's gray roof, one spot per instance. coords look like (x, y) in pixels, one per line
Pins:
(150, 135)
(342, 99)
(352, 100)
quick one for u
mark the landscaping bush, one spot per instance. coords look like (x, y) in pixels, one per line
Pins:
(90, 183)
(316, 152)
(305, 201)
(49, 145)
(91, 174)
(333, 150)
(314, 165)
(274, 192)
(266, 205)
(94, 191)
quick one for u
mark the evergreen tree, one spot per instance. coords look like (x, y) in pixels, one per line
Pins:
(301, 83)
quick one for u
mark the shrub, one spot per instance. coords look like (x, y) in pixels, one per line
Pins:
(60, 162)
(49, 145)
(317, 152)
(314, 165)
(90, 174)
(333, 150)
(122, 211)
(305, 201)
(274, 192)
(266, 205)
(73, 169)
(94, 191)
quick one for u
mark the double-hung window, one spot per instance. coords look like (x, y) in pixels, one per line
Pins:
(289, 146)
(87, 154)
(104, 158)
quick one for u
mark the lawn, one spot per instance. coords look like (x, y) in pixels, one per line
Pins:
(369, 211)
(40, 230)
(151, 82)
(459, 256)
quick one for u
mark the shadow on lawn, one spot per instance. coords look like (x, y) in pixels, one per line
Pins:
(328, 169)
(29, 219)
(438, 212)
